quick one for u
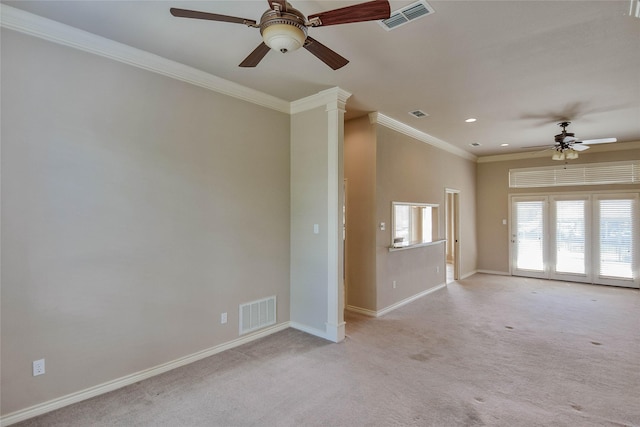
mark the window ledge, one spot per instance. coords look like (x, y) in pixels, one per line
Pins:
(417, 245)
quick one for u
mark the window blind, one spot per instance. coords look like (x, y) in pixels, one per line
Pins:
(626, 172)
(616, 238)
(570, 236)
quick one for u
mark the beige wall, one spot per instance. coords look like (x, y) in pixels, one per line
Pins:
(135, 210)
(360, 175)
(406, 170)
(493, 200)
(409, 170)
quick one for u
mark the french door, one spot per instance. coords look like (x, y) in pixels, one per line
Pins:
(590, 238)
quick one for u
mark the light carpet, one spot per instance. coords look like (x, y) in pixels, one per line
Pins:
(489, 350)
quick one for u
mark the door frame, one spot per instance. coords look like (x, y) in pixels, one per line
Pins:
(635, 262)
(587, 276)
(591, 232)
(513, 236)
(455, 218)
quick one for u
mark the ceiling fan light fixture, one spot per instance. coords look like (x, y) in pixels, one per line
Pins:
(284, 37)
(284, 28)
(571, 155)
(558, 155)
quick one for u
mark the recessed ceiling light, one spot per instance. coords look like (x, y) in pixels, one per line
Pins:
(475, 144)
(470, 120)
(504, 145)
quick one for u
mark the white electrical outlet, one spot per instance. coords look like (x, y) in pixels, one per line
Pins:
(394, 284)
(38, 367)
(223, 318)
(437, 269)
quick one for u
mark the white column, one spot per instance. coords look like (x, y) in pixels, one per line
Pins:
(335, 197)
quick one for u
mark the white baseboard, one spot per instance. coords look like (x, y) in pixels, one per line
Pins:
(499, 273)
(469, 274)
(410, 299)
(360, 310)
(308, 329)
(90, 392)
(399, 304)
(336, 332)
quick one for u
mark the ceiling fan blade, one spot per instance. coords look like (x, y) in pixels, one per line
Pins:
(324, 54)
(256, 56)
(184, 13)
(282, 5)
(579, 147)
(569, 138)
(369, 11)
(598, 141)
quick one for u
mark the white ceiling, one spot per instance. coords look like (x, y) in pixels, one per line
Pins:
(519, 67)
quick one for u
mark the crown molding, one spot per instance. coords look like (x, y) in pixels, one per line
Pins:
(619, 146)
(398, 126)
(515, 156)
(56, 32)
(334, 98)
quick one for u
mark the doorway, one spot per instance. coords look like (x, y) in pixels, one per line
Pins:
(452, 234)
(587, 237)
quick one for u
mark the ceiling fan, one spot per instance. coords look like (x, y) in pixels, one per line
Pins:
(567, 145)
(284, 28)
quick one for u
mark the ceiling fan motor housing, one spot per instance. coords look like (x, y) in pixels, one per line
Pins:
(283, 31)
(284, 28)
(565, 138)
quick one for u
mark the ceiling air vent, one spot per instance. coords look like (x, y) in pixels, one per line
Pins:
(418, 113)
(407, 14)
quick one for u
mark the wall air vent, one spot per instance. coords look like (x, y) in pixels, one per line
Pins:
(257, 314)
(407, 14)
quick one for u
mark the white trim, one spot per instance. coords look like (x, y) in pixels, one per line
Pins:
(372, 313)
(515, 156)
(56, 32)
(334, 97)
(309, 330)
(497, 273)
(591, 274)
(410, 299)
(457, 225)
(417, 245)
(469, 274)
(335, 100)
(620, 146)
(363, 311)
(336, 332)
(99, 389)
(637, 8)
(398, 126)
